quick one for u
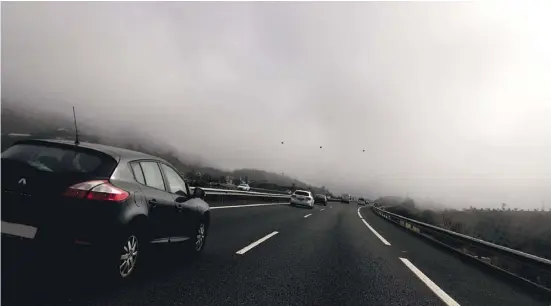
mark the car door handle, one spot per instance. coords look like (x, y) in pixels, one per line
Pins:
(153, 203)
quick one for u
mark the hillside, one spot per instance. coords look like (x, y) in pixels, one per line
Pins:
(17, 119)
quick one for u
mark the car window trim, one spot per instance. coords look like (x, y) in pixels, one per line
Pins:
(139, 161)
(134, 173)
(178, 173)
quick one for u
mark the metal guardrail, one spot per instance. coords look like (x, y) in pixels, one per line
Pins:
(222, 197)
(240, 192)
(234, 188)
(533, 269)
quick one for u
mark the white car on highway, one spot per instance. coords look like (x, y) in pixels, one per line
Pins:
(302, 198)
(244, 187)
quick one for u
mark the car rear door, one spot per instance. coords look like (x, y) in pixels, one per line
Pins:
(160, 202)
(186, 208)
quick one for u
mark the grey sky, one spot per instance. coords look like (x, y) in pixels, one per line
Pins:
(451, 101)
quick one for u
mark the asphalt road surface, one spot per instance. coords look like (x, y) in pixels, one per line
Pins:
(281, 255)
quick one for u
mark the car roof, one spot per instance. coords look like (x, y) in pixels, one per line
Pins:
(115, 152)
(302, 191)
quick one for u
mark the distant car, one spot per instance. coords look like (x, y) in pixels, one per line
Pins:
(244, 187)
(302, 198)
(321, 198)
(114, 204)
(345, 198)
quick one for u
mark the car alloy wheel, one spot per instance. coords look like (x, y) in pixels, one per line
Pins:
(201, 236)
(129, 256)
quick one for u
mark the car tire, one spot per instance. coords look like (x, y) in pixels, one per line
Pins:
(199, 238)
(122, 258)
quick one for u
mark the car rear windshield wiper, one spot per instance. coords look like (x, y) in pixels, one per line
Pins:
(34, 165)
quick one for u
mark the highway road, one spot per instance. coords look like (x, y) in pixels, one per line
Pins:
(281, 255)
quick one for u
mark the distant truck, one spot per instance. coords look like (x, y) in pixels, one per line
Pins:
(345, 198)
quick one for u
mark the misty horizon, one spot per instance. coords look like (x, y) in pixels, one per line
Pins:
(450, 101)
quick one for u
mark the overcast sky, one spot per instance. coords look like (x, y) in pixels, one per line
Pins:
(451, 101)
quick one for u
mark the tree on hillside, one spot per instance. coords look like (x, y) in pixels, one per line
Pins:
(409, 203)
(429, 217)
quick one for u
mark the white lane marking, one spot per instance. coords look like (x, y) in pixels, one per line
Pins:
(248, 205)
(322, 209)
(359, 213)
(375, 233)
(252, 245)
(432, 286)
(308, 215)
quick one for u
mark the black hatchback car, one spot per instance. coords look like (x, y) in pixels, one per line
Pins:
(114, 202)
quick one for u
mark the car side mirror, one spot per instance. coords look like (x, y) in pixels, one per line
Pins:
(181, 193)
(181, 196)
(198, 193)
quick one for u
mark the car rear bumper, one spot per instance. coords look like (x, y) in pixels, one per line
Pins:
(59, 236)
(301, 203)
(59, 245)
(36, 259)
(66, 221)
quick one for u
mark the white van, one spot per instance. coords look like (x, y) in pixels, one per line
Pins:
(345, 198)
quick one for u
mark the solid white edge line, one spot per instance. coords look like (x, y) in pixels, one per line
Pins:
(375, 233)
(359, 213)
(248, 205)
(432, 286)
(252, 245)
(308, 215)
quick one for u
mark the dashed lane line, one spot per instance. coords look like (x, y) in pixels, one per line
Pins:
(254, 244)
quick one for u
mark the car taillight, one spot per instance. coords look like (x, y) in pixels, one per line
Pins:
(97, 190)
(294, 196)
(308, 198)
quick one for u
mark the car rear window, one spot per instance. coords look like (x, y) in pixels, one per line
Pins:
(302, 193)
(61, 160)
